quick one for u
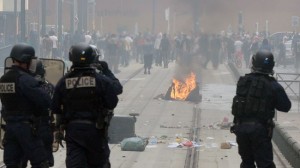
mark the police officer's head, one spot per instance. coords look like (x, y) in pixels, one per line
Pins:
(22, 54)
(40, 70)
(81, 55)
(263, 62)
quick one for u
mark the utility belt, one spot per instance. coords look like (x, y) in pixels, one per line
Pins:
(34, 124)
(254, 121)
(82, 121)
(86, 121)
(269, 124)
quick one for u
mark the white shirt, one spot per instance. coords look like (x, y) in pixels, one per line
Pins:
(238, 45)
(54, 40)
(88, 39)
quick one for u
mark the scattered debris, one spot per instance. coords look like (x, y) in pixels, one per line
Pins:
(225, 145)
(134, 144)
(152, 140)
(159, 97)
(210, 138)
(225, 124)
(176, 127)
(189, 144)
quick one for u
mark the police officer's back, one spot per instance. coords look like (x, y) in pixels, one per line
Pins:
(22, 100)
(80, 98)
(258, 94)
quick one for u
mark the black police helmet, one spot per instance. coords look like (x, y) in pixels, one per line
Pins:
(40, 69)
(22, 53)
(81, 55)
(263, 62)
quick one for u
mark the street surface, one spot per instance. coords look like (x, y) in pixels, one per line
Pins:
(168, 120)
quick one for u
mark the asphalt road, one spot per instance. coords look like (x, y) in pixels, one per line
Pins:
(168, 120)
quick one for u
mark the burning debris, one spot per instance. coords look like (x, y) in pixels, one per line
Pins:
(186, 89)
(181, 89)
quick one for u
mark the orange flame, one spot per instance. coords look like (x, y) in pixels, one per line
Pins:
(181, 90)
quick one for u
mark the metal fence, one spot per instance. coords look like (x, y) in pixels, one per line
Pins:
(291, 84)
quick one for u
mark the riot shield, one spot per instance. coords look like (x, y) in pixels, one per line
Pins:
(2, 132)
(55, 69)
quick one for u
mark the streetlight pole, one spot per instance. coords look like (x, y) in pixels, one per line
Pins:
(59, 19)
(82, 15)
(72, 16)
(16, 21)
(22, 18)
(44, 10)
(196, 13)
(153, 15)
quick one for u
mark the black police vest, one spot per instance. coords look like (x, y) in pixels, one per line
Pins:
(254, 98)
(11, 97)
(81, 100)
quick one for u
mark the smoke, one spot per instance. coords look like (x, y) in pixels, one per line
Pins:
(186, 66)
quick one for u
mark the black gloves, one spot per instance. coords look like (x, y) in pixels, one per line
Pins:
(104, 66)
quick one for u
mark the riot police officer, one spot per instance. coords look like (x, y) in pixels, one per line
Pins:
(80, 98)
(19, 86)
(103, 69)
(258, 94)
(45, 129)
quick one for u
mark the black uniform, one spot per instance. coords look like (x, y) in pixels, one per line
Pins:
(45, 128)
(148, 51)
(102, 66)
(83, 95)
(165, 50)
(104, 70)
(22, 100)
(257, 97)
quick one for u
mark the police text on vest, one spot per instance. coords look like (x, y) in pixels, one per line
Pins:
(7, 88)
(85, 81)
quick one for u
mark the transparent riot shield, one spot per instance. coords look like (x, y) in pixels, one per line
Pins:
(55, 69)
(2, 132)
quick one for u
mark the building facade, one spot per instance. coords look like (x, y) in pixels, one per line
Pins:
(149, 15)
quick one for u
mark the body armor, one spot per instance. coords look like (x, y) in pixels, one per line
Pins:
(9, 95)
(81, 100)
(253, 98)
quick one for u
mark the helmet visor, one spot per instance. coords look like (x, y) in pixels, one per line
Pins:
(33, 64)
